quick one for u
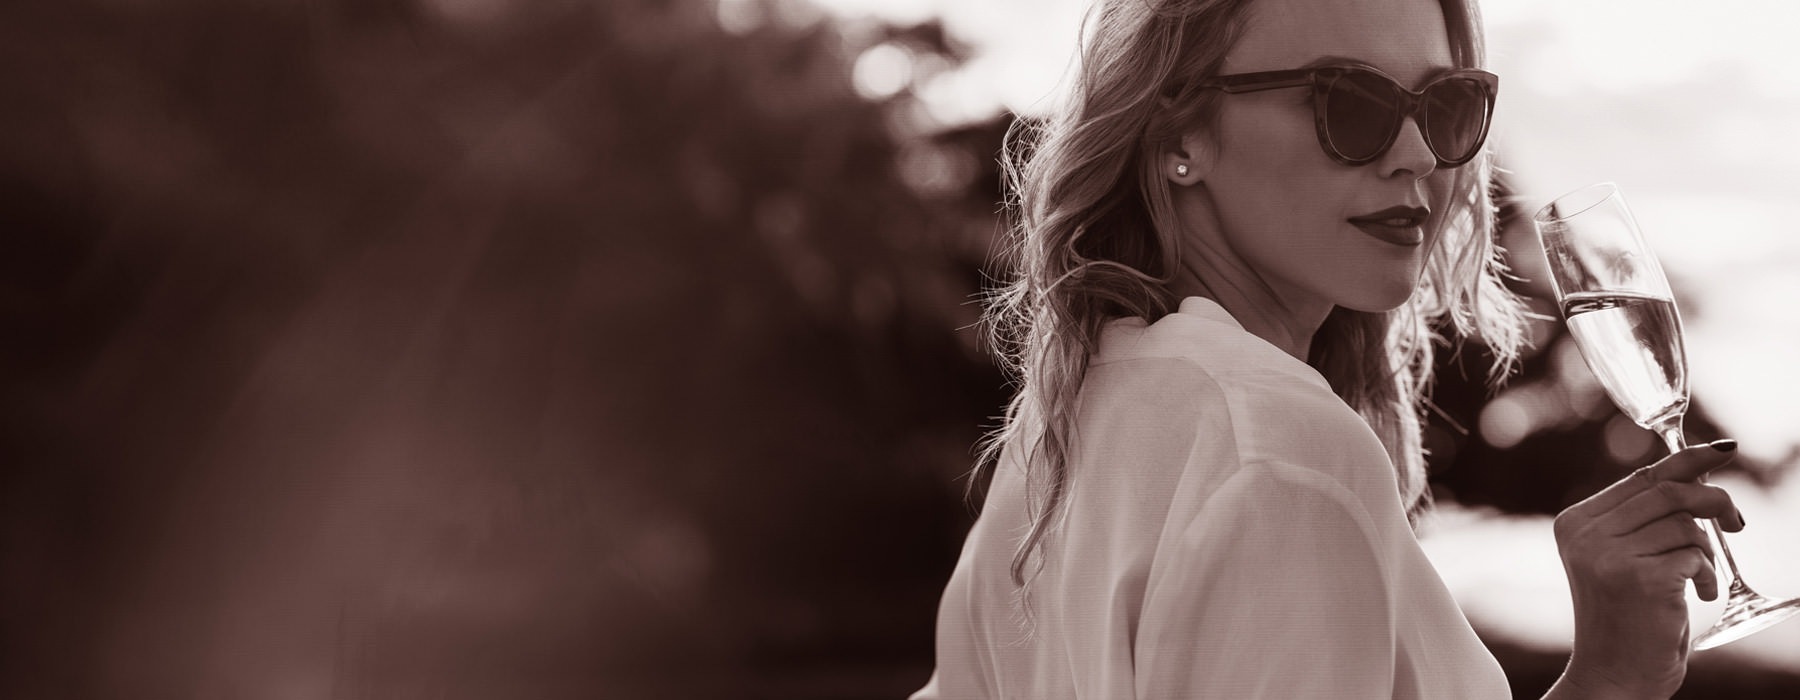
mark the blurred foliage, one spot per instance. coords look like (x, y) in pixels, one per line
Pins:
(472, 348)
(476, 347)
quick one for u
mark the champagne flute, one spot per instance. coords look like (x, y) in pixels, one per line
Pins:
(1618, 305)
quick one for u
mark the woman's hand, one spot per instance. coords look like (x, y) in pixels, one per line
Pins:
(1629, 552)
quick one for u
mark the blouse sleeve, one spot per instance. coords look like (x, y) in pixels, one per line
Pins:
(1275, 588)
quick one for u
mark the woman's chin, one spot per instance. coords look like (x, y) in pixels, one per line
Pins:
(1380, 300)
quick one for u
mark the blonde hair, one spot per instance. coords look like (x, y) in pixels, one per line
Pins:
(1093, 240)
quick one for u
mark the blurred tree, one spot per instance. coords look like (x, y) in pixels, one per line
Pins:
(483, 349)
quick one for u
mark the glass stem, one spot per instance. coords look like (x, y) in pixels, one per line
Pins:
(1670, 432)
(1671, 435)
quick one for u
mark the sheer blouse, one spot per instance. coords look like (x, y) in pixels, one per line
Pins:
(1232, 530)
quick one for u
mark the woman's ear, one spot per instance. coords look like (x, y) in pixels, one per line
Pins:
(1189, 162)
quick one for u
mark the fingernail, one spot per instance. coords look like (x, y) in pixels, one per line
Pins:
(1725, 445)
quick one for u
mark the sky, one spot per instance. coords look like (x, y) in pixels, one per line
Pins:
(1690, 107)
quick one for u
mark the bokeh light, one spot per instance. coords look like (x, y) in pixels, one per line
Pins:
(882, 71)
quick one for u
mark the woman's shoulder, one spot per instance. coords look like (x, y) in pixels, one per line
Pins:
(1231, 399)
(1202, 349)
(1260, 405)
(1179, 380)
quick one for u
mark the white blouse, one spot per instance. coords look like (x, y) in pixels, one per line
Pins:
(1233, 530)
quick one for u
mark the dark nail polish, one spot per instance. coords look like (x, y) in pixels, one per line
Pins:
(1725, 445)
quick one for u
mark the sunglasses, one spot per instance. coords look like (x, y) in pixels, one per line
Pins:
(1359, 111)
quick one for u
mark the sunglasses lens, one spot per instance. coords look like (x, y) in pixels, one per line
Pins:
(1361, 111)
(1454, 117)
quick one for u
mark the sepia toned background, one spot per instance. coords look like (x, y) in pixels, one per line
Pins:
(627, 348)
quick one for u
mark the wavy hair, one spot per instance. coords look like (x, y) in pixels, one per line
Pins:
(1093, 239)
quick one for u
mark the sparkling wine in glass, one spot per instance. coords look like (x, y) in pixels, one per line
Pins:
(1618, 306)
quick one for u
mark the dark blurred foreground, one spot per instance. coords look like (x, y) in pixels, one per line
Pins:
(486, 350)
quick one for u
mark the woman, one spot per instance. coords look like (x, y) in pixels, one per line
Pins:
(1233, 242)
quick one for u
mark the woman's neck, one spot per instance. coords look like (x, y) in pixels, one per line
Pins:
(1251, 302)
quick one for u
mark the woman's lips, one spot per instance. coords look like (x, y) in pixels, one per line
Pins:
(1401, 226)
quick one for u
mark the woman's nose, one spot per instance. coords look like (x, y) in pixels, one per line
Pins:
(1409, 155)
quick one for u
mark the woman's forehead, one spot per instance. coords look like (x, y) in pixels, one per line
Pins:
(1404, 38)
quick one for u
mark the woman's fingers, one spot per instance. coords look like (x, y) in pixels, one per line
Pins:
(1638, 537)
(1686, 465)
(1667, 497)
(1665, 535)
(1691, 565)
(1695, 462)
(1630, 552)
(1657, 578)
(1675, 546)
(1652, 562)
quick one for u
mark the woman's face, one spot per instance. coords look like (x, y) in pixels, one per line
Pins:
(1285, 210)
